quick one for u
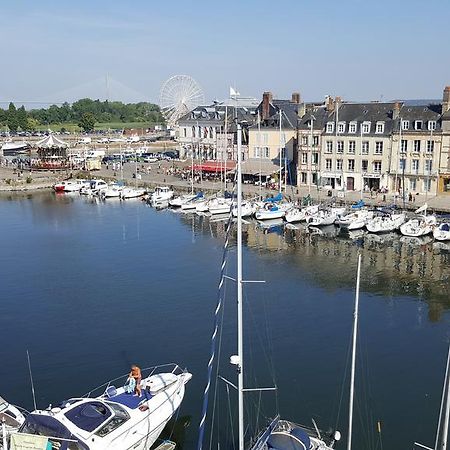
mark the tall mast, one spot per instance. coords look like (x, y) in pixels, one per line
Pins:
(447, 407)
(280, 151)
(260, 155)
(226, 150)
(352, 376)
(239, 291)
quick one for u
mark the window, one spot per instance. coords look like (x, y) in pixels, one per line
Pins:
(405, 124)
(352, 127)
(427, 185)
(352, 147)
(364, 165)
(415, 166)
(402, 164)
(261, 152)
(340, 147)
(412, 184)
(314, 178)
(330, 127)
(417, 146)
(304, 140)
(365, 148)
(428, 165)
(339, 164)
(376, 166)
(184, 132)
(315, 141)
(328, 164)
(418, 125)
(341, 127)
(315, 158)
(366, 127)
(256, 152)
(351, 165)
(430, 146)
(265, 138)
(404, 146)
(303, 178)
(304, 158)
(329, 148)
(379, 127)
(431, 125)
(379, 148)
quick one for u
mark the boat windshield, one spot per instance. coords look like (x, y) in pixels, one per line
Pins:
(3, 404)
(120, 417)
(89, 416)
(59, 436)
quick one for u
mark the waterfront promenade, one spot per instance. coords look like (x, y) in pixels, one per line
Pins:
(11, 180)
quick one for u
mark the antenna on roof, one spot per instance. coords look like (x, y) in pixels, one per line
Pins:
(31, 379)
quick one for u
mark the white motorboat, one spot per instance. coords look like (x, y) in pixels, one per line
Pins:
(419, 226)
(11, 416)
(94, 187)
(300, 215)
(112, 191)
(70, 185)
(114, 419)
(355, 220)
(442, 232)
(132, 192)
(325, 217)
(385, 222)
(161, 194)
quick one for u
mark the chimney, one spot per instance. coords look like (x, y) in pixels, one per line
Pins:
(296, 98)
(301, 110)
(337, 102)
(329, 103)
(446, 100)
(396, 110)
(267, 100)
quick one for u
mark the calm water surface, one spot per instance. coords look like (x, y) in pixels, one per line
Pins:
(90, 288)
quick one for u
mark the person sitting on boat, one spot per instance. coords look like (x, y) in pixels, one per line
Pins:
(135, 374)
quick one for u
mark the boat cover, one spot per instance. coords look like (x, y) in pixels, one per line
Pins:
(277, 198)
(297, 439)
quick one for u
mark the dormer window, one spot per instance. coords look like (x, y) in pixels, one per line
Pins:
(330, 127)
(352, 127)
(431, 125)
(405, 125)
(379, 128)
(418, 125)
(341, 127)
(366, 127)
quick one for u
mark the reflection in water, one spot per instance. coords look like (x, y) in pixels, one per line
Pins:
(393, 265)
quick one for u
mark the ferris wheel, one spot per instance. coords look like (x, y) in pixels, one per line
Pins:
(179, 95)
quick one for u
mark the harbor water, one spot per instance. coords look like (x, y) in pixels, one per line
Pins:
(90, 287)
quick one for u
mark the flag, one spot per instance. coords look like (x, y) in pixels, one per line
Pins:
(234, 92)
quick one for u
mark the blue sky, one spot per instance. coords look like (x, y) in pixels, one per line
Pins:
(358, 49)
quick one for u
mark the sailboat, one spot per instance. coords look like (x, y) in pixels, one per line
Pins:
(280, 434)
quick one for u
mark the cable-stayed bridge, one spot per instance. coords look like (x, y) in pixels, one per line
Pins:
(101, 88)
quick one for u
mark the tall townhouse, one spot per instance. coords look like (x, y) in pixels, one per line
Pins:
(209, 132)
(356, 145)
(416, 148)
(273, 135)
(444, 161)
(311, 123)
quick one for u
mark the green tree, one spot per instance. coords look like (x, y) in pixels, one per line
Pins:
(11, 120)
(22, 119)
(87, 122)
(32, 123)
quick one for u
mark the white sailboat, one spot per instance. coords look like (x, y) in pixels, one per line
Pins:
(384, 222)
(11, 419)
(325, 217)
(301, 214)
(114, 419)
(355, 220)
(281, 434)
(421, 225)
(442, 232)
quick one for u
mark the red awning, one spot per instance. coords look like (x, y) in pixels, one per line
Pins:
(215, 166)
